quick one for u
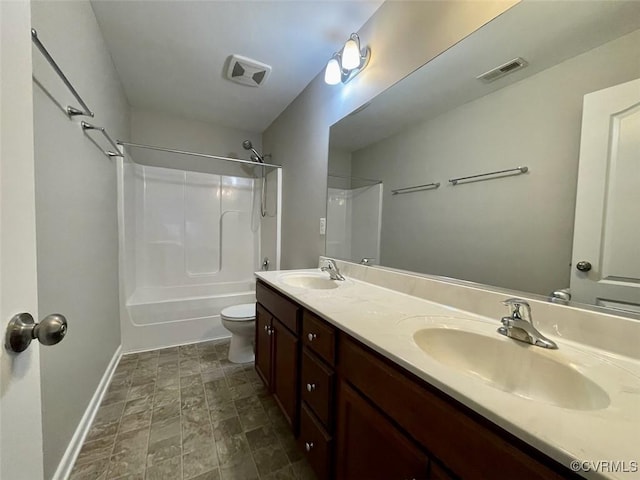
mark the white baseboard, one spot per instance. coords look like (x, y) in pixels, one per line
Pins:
(73, 449)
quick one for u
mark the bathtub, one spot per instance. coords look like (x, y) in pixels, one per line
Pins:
(159, 317)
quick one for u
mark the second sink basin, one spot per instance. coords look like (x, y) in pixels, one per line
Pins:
(514, 367)
(314, 281)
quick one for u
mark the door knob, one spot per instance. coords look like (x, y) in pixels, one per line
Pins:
(583, 266)
(22, 329)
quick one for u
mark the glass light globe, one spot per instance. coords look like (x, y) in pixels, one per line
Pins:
(351, 55)
(332, 74)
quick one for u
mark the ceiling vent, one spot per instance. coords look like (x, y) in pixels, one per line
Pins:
(246, 71)
(504, 69)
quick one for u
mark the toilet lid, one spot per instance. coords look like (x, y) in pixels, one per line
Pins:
(245, 311)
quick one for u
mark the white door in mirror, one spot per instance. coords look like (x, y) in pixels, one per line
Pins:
(606, 245)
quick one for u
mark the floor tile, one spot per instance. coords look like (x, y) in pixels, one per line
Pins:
(166, 410)
(164, 449)
(210, 475)
(115, 396)
(135, 421)
(196, 435)
(135, 440)
(226, 428)
(269, 459)
(97, 449)
(220, 411)
(261, 437)
(109, 413)
(138, 405)
(90, 471)
(127, 463)
(102, 430)
(187, 413)
(285, 473)
(169, 469)
(244, 471)
(144, 390)
(199, 461)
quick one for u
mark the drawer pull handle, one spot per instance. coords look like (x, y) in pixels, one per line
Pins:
(308, 446)
(266, 328)
(311, 336)
(311, 387)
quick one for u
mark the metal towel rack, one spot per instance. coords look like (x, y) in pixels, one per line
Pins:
(87, 126)
(416, 188)
(71, 111)
(513, 171)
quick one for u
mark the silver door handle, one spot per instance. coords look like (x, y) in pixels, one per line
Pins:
(583, 266)
(22, 329)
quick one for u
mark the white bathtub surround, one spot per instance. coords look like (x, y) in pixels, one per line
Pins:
(354, 221)
(189, 244)
(384, 309)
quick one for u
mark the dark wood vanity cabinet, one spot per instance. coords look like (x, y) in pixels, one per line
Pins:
(369, 446)
(277, 349)
(361, 416)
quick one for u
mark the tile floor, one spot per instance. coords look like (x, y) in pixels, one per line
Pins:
(188, 413)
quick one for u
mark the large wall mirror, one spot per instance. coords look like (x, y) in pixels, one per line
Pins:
(558, 114)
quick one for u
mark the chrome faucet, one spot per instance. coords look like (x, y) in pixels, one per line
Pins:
(332, 269)
(519, 325)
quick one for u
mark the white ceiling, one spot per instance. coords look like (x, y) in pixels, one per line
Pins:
(171, 55)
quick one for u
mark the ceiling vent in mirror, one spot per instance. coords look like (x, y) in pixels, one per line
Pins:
(504, 69)
(246, 71)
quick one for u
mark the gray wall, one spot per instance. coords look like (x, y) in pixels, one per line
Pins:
(162, 130)
(460, 231)
(402, 37)
(77, 236)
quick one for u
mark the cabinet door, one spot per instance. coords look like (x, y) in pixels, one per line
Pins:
(264, 329)
(285, 371)
(369, 446)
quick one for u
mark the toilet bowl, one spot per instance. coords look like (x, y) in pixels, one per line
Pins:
(240, 321)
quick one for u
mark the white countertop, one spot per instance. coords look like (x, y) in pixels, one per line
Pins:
(386, 320)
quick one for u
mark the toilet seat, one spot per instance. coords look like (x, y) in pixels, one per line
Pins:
(239, 313)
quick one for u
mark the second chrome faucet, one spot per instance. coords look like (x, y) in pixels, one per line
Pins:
(332, 269)
(519, 325)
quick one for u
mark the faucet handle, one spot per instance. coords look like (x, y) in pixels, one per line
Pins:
(515, 305)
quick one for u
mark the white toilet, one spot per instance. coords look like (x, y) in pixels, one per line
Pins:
(240, 320)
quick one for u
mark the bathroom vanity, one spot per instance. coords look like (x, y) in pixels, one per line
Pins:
(363, 403)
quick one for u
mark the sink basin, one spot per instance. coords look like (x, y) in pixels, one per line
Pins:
(314, 281)
(515, 367)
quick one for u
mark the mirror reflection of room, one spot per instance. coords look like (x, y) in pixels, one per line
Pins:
(516, 229)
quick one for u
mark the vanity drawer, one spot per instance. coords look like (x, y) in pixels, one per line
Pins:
(281, 308)
(316, 444)
(319, 336)
(316, 383)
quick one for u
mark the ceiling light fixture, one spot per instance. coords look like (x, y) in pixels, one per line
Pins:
(347, 63)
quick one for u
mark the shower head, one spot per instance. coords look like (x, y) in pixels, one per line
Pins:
(256, 157)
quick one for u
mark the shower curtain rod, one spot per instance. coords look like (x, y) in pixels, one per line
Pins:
(181, 152)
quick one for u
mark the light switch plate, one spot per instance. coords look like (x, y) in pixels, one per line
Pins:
(323, 226)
